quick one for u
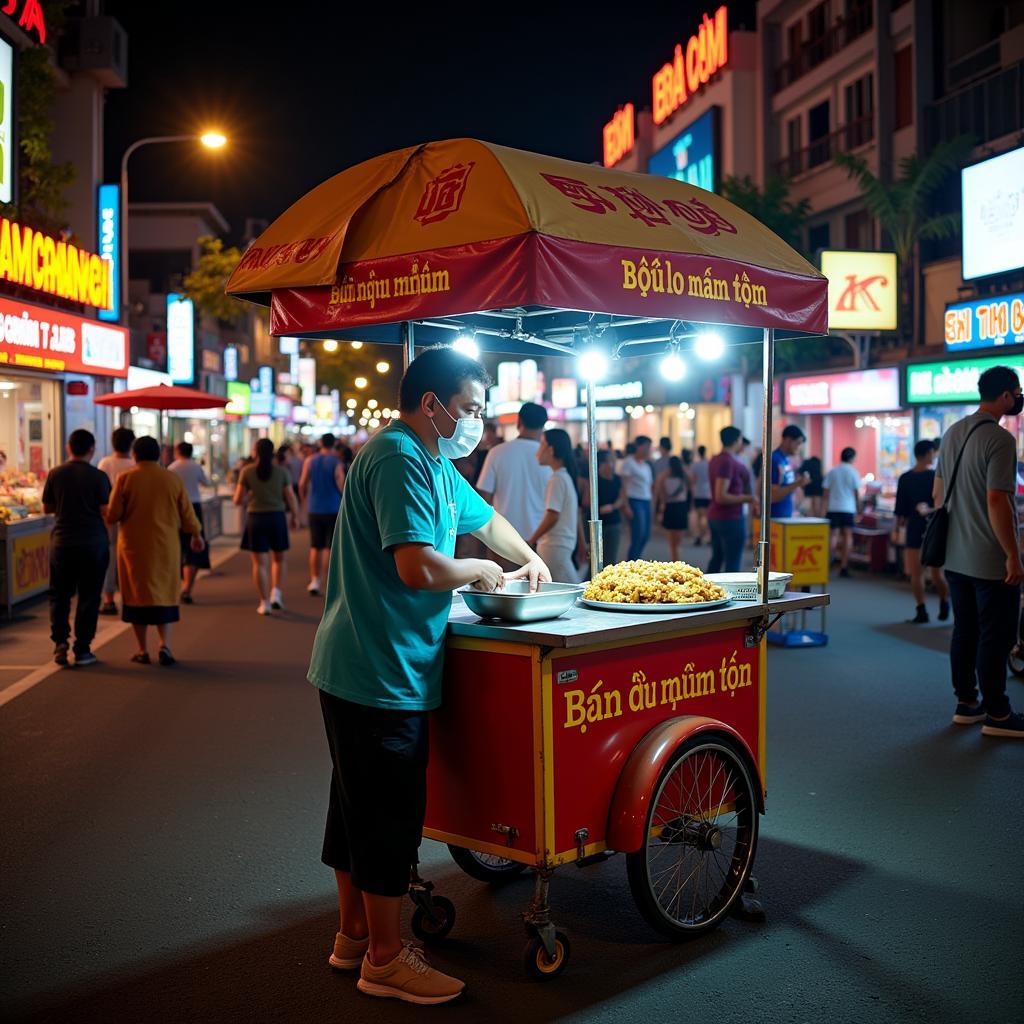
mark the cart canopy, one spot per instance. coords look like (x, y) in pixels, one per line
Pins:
(462, 227)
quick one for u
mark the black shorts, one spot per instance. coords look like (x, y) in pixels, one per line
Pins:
(265, 531)
(701, 502)
(676, 515)
(915, 532)
(378, 793)
(840, 520)
(321, 530)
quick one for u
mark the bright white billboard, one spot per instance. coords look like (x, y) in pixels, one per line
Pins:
(993, 215)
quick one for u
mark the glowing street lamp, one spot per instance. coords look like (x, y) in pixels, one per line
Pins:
(383, 366)
(330, 345)
(213, 140)
(361, 382)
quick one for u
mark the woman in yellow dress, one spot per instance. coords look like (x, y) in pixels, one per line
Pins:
(152, 506)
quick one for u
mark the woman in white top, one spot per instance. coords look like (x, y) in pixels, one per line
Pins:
(672, 498)
(193, 476)
(559, 532)
(114, 465)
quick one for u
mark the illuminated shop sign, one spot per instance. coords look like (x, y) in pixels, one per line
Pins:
(862, 290)
(993, 215)
(231, 363)
(615, 392)
(563, 392)
(956, 381)
(108, 233)
(985, 322)
(8, 162)
(860, 391)
(288, 346)
(619, 135)
(692, 156)
(181, 336)
(30, 17)
(34, 260)
(239, 398)
(266, 378)
(704, 53)
(36, 338)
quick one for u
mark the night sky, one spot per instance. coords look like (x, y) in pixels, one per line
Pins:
(313, 89)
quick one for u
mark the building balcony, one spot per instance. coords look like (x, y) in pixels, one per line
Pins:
(851, 136)
(817, 51)
(987, 109)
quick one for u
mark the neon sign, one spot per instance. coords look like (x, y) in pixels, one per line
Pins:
(35, 260)
(108, 212)
(619, 135)
(31, 18)
(692, 66)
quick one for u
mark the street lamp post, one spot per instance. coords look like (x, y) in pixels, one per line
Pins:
(212, 140)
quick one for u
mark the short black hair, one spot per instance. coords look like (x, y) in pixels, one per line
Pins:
(794, 431)
(122, 439)
(184, 449)
(327, 441)
(923, 447)
(641, 440)
(702, 450)
(604, 455)
(146, 449)
(440, 370)
(532, 416)
(995, 380)
(729, 436)
(848, 454)
(666, 443)
(81, 442)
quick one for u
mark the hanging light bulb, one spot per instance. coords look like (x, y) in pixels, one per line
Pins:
(592, 363)
(466, 344)
(709, 346)
(330, 345)
(672, 367)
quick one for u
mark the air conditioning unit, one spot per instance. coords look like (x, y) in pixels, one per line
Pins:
(98, 46)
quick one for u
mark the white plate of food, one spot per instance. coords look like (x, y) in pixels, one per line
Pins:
(653, 588)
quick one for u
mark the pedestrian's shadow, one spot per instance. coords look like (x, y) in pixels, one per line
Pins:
(933, 636)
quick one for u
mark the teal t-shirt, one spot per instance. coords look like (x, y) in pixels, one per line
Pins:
(381, 643)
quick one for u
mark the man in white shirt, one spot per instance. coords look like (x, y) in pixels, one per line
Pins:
(841, 488)
(511, 478)
(638, 480)
(114, 465)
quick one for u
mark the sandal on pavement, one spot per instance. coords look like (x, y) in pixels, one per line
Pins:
(165, 656)
(142, 658)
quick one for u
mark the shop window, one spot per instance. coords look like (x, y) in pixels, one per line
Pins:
(818, 128)
(860, 230)
(818, 237)
(903, 80)
(860, 109)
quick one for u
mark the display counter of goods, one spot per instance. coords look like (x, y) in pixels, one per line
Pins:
(21, 496)
(24, 558)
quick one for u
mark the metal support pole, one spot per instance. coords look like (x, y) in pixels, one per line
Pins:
(408, 343)
(764, 544)
(596, 537)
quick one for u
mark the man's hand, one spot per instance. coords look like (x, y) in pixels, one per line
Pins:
(492, 576)
(1014, 571)
(803, 479)
(293, 522)
(197, 543)
(627, 511)
(534, 570)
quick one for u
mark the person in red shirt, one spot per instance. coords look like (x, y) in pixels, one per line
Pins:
(730, 491)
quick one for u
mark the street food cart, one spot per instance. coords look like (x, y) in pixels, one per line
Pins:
(633, 731)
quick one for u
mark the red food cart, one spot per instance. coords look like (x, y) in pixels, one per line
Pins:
(602, 731)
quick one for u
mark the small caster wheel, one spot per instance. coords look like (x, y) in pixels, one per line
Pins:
(539, 965)
(434, 928)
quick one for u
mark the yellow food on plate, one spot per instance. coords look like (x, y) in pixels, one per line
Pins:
(642, 582)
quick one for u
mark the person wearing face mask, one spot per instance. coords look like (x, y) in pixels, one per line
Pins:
(378, 654)
(977, 477)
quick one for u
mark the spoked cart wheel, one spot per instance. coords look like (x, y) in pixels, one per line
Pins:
(433, 923)
(701, 833)
(486, 867)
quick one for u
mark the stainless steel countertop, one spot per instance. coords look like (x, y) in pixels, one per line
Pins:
(582, 626)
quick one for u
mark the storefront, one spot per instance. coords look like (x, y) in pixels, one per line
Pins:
(53, 364)
(859, 409)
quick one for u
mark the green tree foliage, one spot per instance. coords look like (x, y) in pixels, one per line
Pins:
(205, 284)
(904, 207)
(771, 206)
(41, 182)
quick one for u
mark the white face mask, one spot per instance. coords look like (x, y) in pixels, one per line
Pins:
(468, 431)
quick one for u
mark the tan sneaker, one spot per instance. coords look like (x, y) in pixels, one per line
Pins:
(410, 978)
(348, 953)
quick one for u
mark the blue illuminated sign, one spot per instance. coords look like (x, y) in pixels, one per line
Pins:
(266, 379)
(231, 363)
(692, 156)
(108, 233)
(181, 339)
(984, 323)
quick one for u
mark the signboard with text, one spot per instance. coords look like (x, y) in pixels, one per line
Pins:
(35, 338)
(108, 234)
(692, 156)
(863, 290)
(993, 215)
(8, 151)
(955, 381)
(619, 135)
(985, 323)
(692, 65)
(238, 398)
(181, 339)
(857, 391)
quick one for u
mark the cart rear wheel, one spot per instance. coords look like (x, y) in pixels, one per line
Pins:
(433, 928)
(701, 833)
(1016, 660)
(486, 867)
(537, 962)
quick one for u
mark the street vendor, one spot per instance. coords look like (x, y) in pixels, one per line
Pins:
(378, 655)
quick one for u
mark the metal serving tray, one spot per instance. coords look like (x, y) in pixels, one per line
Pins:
(655, 609)
(515, 603)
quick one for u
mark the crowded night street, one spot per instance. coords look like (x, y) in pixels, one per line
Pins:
(512, 521)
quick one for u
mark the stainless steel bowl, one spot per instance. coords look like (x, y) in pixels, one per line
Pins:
(515, 603)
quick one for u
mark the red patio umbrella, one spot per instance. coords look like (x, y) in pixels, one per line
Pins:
(164, 396)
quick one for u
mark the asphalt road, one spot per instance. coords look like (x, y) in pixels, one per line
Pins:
(160, 833)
